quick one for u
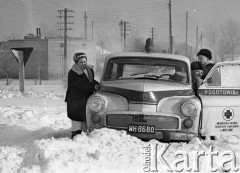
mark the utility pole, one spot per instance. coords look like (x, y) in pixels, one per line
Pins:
(121, 33)
(60, 21)
(92, 31)
(170, 26)
(186, 33)
(65, 45)
(201, 38)
(21, 72)
(153, 34)
(196, 40)
(85, 19)
(125, 34)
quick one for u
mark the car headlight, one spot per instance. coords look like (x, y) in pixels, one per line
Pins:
(96, 104)
(188, 108)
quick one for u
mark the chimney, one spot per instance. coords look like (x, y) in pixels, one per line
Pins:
(38, 32)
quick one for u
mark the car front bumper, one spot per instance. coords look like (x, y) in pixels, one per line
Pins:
(166, 135)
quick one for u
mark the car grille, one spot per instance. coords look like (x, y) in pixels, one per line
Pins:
(160, 122)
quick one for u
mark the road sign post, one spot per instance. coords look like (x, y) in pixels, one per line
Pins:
(21, 55)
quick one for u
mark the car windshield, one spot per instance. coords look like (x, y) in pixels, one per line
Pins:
(128, 68)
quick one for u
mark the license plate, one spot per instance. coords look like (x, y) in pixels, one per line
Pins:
(148, 129)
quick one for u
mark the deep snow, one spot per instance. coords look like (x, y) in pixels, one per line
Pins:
(35, 131)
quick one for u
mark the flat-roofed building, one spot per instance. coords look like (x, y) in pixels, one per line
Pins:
(47, 55)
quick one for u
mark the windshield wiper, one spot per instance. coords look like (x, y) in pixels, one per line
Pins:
(134, 74)
(152, 75)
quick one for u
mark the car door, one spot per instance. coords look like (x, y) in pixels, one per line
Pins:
(220, 96)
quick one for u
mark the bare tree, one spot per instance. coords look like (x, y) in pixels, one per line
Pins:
(8, 65)
(231, 32)
(13, 36)
(49, 31)
(212, 36)
(179, 48)
(104, 42)
(223, 48)
(135, 43)
(223, 41)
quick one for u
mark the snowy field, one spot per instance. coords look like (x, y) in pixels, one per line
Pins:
(35, 131)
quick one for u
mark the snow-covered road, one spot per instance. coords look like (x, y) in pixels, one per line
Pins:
(34, 138)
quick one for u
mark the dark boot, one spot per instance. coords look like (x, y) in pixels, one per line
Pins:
(79, 131)
(212, 138)
(74, 133)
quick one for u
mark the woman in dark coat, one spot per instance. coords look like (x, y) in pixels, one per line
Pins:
(81, 85)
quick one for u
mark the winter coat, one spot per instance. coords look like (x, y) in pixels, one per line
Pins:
(196, 84)
(78, 91)
(206, 69)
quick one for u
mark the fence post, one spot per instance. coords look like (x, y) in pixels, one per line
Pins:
(39, 75)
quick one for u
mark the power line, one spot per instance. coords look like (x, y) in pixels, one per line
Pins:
(124, 10)
(33, 9)
(56, 3)
(152, 34)
(170, 26)
(125, 25)
(145, 14)
(132, 13)
(179, 14)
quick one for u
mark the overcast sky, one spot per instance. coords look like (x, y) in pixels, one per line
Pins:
(24, 16)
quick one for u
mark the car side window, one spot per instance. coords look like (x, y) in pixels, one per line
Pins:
(226, 75)
(215, 78)
(113, 71)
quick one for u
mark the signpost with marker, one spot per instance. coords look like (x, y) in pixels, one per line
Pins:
(21, 55)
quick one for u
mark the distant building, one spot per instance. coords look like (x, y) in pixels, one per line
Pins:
(47, 54)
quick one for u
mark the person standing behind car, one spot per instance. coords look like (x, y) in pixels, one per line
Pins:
(196, 72)
(205, 58)
(81, 85)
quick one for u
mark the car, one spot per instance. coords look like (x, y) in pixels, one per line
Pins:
(150, 96)
(220, 97)
(147, 94)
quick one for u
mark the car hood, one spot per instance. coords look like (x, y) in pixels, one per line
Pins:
(150, 91)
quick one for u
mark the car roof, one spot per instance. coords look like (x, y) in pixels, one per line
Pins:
(226, 63)
(229, 62)
(153, 55)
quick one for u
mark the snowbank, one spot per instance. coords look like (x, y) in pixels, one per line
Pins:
(34, 138)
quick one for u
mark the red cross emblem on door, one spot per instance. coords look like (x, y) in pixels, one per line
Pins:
(228, 114)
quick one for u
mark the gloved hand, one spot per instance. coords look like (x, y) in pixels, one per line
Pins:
(97, 86)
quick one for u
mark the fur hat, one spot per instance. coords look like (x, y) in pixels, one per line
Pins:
(205, 52)
(78, 56)
(196, 65)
